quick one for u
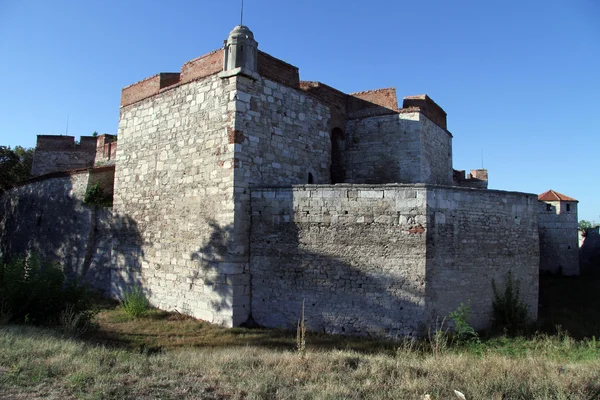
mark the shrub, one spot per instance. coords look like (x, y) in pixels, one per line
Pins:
(134, 303)
(510, 313)
(94, 195)
(36, 291)
(463, 332)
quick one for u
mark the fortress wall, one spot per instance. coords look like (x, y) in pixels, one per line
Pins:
(48, 216)
(475, 236)
(354, 253)
(203, 66)
(384, 149)
(282, 135)
(60, 153)
(559, 237)
(174, 197)
(436, 162)
(278, 70)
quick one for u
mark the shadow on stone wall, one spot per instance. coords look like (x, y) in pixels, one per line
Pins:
(366, 296)
(589, 253)
(127, 256)
(49, 217)
(46, 217)
(209, 274)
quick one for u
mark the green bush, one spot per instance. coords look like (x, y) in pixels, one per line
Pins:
(37, 292)
(94, 195)
(510, 313)
(463, 332)
(134, 303)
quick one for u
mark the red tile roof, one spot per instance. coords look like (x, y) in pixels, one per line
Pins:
(551, 195)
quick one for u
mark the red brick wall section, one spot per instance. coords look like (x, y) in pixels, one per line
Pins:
(203, 66)
(168, 78)
(428, 107)
(372, 102)
(277, 70)
(140, 90)
(381, 97)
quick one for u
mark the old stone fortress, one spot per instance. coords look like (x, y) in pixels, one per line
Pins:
(239, 191)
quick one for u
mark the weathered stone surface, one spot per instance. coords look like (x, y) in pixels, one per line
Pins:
(174, 180)
(49, 217)
(391, 264)
(559, 239)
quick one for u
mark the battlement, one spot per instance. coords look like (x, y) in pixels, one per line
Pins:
(278, 70)
(477, 178)
(372, 102)
(106, 150)
(67, 143)
(428, 107)
(148, 87)
(56, 153)
(204, 66)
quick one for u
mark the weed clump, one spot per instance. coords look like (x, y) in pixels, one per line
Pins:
(463, 332)
(37, 292)
(509, 311)
(134, 303)
(95, 195)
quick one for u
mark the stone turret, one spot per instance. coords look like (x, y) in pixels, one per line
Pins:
(240, 50)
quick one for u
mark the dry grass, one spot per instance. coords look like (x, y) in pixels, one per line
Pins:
(169, 356)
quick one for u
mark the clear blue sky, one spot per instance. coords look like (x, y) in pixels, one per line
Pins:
(519, 79)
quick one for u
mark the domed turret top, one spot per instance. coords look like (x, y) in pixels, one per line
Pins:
(241, 50)
(241, 32)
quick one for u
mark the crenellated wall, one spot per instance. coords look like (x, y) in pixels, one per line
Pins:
(54, 153)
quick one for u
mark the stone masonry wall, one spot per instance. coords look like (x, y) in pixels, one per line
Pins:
(61, 153)
(559, 237)
(174, 190)
(475, 236)
(436, 160)
(383, 149)
(48, 216)
(282, 135)
(405, 147)
(387, 260)
(355, 254)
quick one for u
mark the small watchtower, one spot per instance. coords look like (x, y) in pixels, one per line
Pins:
(558, 230)
(240, 50)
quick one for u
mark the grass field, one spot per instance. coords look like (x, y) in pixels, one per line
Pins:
(169, 356)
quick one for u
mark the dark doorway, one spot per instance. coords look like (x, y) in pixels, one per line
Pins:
(338, 175)
(311, 180)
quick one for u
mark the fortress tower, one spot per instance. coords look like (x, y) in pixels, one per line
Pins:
(559, 235)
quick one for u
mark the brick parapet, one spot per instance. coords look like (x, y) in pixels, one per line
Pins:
(428, 107)
(278, 70)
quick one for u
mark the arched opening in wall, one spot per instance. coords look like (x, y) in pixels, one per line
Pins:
(338, 175)
(311, 180)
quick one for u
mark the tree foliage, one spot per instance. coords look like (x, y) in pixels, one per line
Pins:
(15, 165)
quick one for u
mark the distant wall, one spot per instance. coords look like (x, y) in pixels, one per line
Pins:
(559, 237)
(589, 253)
(61, 153)
(48, 216)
